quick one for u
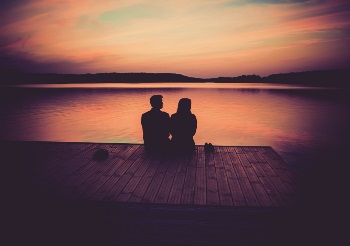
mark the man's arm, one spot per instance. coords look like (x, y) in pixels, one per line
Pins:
(194, 125)
(167, 127)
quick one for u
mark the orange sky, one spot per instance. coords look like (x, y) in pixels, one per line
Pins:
(200, 38)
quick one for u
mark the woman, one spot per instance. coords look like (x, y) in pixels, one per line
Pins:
(183, 126)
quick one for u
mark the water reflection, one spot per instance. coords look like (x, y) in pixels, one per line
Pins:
(290, 120)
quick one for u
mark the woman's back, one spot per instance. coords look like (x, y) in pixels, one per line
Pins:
(183, 126)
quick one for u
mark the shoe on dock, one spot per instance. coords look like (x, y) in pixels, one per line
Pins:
(208, 147)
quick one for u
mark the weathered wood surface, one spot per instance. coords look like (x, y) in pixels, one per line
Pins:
(56, 194)
(231, 176)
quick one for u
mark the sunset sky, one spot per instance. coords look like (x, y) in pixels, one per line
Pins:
(200, 38)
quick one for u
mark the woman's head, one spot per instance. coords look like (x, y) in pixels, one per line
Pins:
(184, 105)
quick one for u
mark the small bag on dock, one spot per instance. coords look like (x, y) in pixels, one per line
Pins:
(100, 154)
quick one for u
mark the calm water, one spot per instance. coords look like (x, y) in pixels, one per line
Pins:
(295, 121)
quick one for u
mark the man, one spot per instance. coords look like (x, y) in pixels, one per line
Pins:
(156, 127)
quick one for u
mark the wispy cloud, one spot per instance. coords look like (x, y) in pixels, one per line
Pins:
(130, 13)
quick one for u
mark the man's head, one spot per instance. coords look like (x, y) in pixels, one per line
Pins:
(156, 101)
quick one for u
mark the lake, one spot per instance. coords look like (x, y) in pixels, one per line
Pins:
(294, 120)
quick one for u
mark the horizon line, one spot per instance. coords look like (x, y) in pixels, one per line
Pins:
(173, 73)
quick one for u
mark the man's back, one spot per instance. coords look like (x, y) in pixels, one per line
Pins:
(155, 126)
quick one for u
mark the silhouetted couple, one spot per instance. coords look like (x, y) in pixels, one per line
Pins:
(157, 127)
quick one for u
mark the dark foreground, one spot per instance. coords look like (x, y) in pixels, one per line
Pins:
(48, 200)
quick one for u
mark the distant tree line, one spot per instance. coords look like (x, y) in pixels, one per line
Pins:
(243, 78)
(53, 78)
(336, 78)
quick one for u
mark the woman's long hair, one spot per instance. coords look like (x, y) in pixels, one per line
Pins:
(184, 106)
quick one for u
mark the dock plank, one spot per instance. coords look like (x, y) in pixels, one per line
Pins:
(124, 174)
(126, 193)
(109, 179)
(212, 183)
(153, 188)
(246, 177)
(235, 187)
(200, 193)
(223, 186)
(101, 177)
(177, 188)
(187, 196)
(63, 167)
(142, 186)
(252, 176)
(165, 187)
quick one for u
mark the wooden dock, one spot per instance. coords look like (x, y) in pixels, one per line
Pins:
(57, 194)
(231, 176)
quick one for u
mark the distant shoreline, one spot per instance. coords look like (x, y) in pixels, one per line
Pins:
(327, 78)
